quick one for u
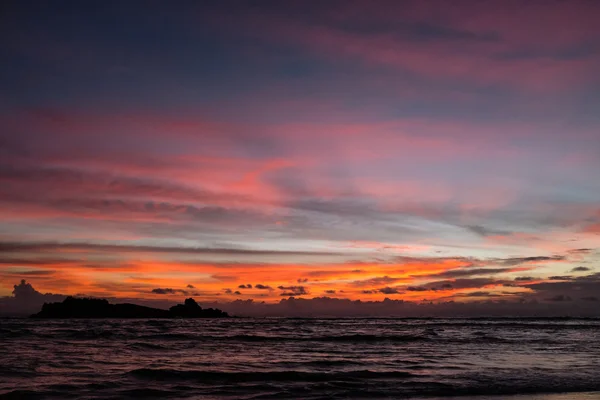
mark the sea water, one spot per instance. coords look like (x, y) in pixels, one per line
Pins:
(273, 358)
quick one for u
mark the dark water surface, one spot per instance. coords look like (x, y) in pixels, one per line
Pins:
(297, 358)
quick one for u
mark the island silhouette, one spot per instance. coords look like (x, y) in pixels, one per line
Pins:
(74, 307)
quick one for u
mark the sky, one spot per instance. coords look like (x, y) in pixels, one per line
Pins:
(252, 151)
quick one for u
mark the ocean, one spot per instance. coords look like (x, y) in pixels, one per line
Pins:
(274, 358)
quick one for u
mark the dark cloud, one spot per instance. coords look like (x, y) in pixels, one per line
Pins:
(462, 272)
(483, 231)
(24, 290)
(468, 261)
(380, 280)
(224, 278)
(389, 290)
(263, 287)
(237, 292)
(302, 280)
(478, 294)
(581, 269)
(247, 286)
(501, 306)
(356, 208)
(339, 216)
(33, 272)
(169, 291)
(81, 181)
(26, 300)
(477, 266)
(522, 260)
(524, 278)
(132, 210)
(589, 278)
(346, 208)
(293, 290)
(560, 297)
(467, 283)
(32, 247)
(461, 283)
(561, 278)
(574, 288)
(417, 289)
(330, 291)
(8, 259)
(191, 286)
(580, 251)
(322, 272)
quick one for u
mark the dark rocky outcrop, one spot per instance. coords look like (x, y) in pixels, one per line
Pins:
(73, 307)
(191, 309)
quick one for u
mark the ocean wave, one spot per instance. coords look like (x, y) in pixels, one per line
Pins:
(152, 340)
(350, 384)
(297, 376)
(267, 338)
(146, 346)
(331, 338)
(480, 337)
(533, 324)
(75, 334)
(19, 394)
(144, 393)
(169, 336)
(15, 333)
(286, 359)
(160, 340)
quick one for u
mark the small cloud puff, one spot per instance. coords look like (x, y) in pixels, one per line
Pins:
(169, 291)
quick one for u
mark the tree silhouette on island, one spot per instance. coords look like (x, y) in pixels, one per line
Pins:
(73, 307)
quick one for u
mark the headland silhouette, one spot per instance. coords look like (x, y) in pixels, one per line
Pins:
(74, 307)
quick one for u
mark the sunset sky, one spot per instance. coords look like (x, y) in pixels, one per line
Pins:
(415, 150)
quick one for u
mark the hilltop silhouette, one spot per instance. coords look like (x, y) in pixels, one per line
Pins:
(73, 307)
